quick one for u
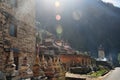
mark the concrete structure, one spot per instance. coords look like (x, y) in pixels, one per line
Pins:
(17, 31)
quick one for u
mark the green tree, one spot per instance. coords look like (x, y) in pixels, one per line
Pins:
(119, 58)
(38, 39)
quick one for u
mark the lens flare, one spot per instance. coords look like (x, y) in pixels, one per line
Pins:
(57, 4)
(59, 29)
(76, 15)
(58, 17)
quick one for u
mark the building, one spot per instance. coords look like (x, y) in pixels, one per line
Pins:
(17, 31)
(101, 53)
(71, 60)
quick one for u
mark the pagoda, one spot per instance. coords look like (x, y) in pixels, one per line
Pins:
(43, 63)
(101, 53)
(25, 71)
(10, 66)
(38, 73)
(50, 71)
(59, 71)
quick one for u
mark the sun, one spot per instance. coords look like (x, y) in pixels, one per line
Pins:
(57, 4)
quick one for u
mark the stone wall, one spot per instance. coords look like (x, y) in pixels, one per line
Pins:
(23, 17)
(25, 41)
(25, 11)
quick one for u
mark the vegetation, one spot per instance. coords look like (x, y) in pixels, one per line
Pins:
(102, 70)
(119, 58)
(99, 73)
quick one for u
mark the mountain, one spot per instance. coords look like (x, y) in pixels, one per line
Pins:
(85, 23)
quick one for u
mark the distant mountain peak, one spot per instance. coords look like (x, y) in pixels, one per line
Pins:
(99, 22)
(115, 3)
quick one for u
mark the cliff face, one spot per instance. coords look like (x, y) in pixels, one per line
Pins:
(86, 24)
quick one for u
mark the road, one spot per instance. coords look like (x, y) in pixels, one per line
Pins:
(114, 75)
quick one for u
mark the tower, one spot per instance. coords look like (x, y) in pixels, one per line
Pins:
(101, 53)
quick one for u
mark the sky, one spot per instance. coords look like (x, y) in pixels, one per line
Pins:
(114, 2)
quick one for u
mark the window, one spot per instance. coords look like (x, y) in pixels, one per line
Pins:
(12, 3)
(13, 30)
(1, 0)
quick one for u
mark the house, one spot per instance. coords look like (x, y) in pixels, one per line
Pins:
(17, 31)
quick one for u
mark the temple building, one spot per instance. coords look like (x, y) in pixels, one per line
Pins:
(71, 60)
(17, 31)
(101, 53)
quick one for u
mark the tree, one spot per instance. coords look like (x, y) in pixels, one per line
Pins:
(119, 58)
(38, 38)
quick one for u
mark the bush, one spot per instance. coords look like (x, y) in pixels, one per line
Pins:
(99, 73)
